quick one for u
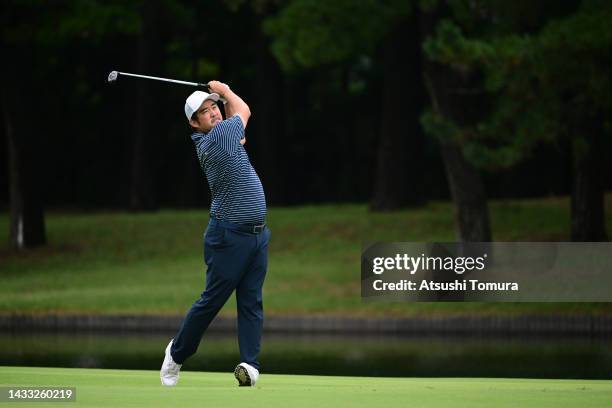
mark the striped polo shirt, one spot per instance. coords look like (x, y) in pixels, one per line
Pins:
(237, 193)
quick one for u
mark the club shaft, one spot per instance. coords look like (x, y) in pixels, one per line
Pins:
(175, 81)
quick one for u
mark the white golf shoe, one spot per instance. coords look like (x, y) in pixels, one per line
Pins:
(169, 372)
(246, 375)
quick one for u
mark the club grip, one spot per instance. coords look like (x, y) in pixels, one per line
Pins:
(205, 86)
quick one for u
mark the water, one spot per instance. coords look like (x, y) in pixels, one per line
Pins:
(438, 356)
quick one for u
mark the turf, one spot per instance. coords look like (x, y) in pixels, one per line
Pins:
(121, 388)
(151, 263)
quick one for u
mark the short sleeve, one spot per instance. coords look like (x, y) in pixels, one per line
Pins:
(228, 133)
(198, 140)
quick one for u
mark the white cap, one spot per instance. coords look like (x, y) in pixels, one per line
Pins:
(196, 99)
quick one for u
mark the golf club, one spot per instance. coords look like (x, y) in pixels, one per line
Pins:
(114, 75)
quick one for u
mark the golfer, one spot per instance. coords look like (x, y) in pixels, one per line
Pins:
(236, 240)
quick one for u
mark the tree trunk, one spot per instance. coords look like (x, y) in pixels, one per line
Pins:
(146, 134)
(191, 182)
(27, 228)
(588, 193)
(400, 167)
(466, 187)
(268, 126)
(467, 191)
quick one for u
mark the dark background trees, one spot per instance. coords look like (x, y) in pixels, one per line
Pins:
(542, 68)
(393, 103)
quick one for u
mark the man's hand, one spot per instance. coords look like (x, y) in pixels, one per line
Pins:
(235, 105)
(219, 88)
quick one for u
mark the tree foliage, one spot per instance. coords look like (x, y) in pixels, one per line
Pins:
(309, 33)
(542, 85)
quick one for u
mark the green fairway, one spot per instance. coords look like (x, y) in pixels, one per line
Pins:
(120, 388)
(151, 263)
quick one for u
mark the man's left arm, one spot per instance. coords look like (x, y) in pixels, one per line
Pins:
(229, 112)
(235, 104)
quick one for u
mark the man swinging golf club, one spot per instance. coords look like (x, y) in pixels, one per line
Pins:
(236, 240)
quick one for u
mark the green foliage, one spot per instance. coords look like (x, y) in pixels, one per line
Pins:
(184, 65)
(43, 23)
(93, 19)
(439, 127)
(309, 33)
(259, 6)
(544, 85)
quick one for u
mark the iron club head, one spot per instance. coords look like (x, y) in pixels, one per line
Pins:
(112, 77)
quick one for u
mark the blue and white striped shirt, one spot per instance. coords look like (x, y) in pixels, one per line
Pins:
(237, 193)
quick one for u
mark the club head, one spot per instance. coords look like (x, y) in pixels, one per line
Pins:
(112, 77)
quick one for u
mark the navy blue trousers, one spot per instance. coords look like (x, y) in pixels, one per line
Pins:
(236, 260)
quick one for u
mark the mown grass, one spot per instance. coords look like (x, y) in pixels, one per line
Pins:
(122, 388)
(151, 263)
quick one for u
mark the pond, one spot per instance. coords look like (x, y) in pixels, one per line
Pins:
(437, 356)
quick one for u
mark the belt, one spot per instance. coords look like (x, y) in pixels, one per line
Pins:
(252, 228)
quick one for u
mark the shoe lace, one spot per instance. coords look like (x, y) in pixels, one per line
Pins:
(173, 368)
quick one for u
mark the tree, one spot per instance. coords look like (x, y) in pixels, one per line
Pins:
(400, 164)
(145, 148)
(549, 84)
(27, 227)
(453, 99)
(268, 99)
(31, 35)
(309, 34)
